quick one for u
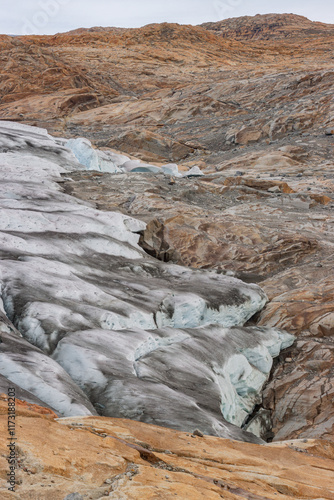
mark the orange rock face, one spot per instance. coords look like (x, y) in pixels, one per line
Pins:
(187, 84)
(101, 458)
(25, 409)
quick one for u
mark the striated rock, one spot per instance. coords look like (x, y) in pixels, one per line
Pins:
(116, 458)
(227, 241)
(260, 184)
(246, 135)
(150, 146)
(303, 386)
(168, 91)
(270, 27)
(307, 307)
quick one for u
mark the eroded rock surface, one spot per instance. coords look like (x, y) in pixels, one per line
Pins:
(302, 388)
(100, 458)
(272, 27)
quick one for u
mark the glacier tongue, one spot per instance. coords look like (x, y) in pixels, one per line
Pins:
(139, 338)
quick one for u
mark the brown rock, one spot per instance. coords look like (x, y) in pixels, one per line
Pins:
(177, 93)
(247, 134)
(303, 386)
(307, 307)
(150, 146)
(87, 81)
(270, 27)
(115, 458)
(260, 184)
(23, 408)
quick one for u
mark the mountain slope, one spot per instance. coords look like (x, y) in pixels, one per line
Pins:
(270, 27)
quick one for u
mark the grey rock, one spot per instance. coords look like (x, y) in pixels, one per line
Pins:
(274, 189)
(198, 433)
(74, 496)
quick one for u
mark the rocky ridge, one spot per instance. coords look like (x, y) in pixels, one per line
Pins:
(271, 27)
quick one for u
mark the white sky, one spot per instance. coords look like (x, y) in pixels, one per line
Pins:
(53, 16)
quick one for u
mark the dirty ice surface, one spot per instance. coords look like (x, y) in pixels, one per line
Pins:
(90, 323)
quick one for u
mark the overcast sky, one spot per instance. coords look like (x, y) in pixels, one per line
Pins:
(53, 16)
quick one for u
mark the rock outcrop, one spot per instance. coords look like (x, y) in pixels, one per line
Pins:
(168, 92)
(96, 457)
(271, 27)
(250, 102)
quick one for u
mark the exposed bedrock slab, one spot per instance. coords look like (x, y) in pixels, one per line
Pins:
(141, 338)
(300, 394)
(108, 458)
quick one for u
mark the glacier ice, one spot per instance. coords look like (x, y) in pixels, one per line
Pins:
(130, 164)
(146, 168)
(105, 324)
(206, 365)
(40, 379)
(194, 172)
(94, 159)
(171, 169)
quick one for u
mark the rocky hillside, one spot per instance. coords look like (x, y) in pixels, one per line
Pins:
(271, 27)
(179, 272)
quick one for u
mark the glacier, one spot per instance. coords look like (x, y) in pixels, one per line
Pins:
(109, 161)
(91, 324)
(94, 159)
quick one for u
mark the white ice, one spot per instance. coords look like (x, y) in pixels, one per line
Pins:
(94, 159)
